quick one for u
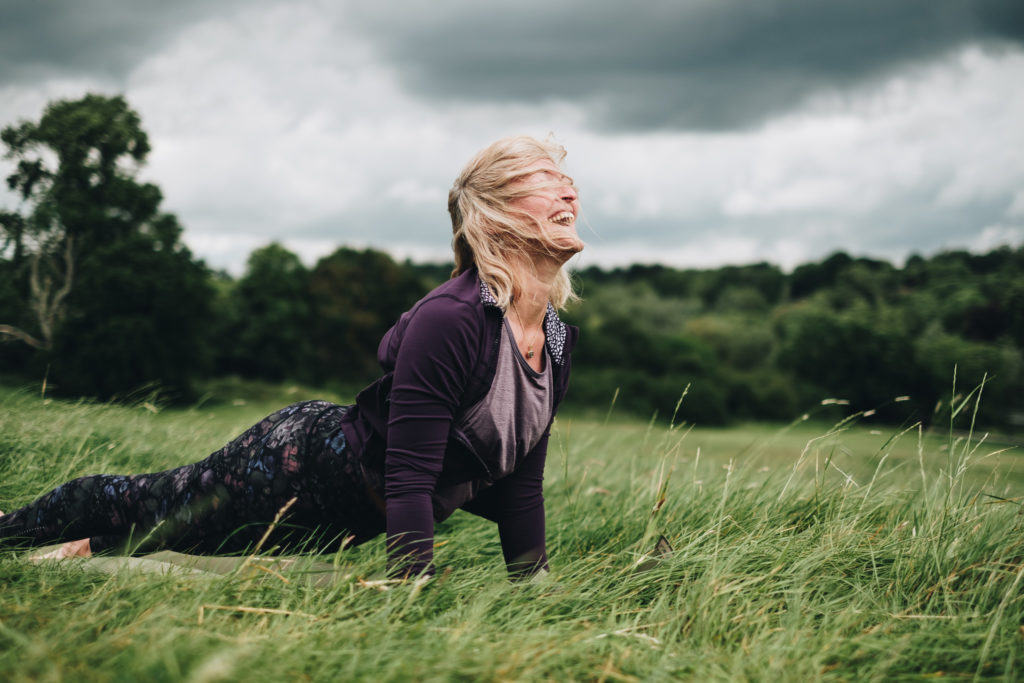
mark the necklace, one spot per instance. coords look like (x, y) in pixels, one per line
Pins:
(529, 346)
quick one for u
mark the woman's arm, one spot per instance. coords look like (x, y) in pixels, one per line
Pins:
(437, 351)
(516, 503)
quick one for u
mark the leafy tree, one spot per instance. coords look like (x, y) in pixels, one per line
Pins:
(139, 315)
(810, 277)
(112, 299)
(1011, 300)
(945, 356)
(742, 343)
(357, 297)
(840, 356)
(633, 342)
(765, 393)
(87, 198)
(737, 283)
(271, 318)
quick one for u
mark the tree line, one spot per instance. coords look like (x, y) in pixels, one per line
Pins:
(99, 295)
(757, 343)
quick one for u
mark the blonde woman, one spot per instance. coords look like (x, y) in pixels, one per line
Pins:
(473, 376)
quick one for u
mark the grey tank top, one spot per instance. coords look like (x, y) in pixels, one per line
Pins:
(509, 421)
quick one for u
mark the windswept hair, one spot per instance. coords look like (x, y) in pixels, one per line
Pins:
(492, 235)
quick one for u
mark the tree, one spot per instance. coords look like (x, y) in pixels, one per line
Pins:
(96, 261)
(945, 357)
(357, 296)
(271, 318)
(88, 197)
(810, 277)
(139, 316)
(837, 355)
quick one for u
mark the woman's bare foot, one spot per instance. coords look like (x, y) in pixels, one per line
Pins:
(78, 548)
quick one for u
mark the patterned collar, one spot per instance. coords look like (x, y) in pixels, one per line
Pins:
(554, 328)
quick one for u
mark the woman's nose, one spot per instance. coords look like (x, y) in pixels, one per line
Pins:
(568, 193)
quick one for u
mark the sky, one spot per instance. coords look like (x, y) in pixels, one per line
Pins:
(699, 132)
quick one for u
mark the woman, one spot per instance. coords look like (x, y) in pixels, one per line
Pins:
(473, 376)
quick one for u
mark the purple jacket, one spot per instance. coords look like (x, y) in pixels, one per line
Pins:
(439, 360)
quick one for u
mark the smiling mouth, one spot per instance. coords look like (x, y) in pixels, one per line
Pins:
(563, 218)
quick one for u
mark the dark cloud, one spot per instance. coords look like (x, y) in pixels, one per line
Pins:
(105, 38)
(676, 64)
(701, 64)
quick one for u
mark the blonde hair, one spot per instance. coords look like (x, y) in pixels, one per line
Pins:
(487, 232)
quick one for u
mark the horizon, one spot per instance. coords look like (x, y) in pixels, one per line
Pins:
(624, 266)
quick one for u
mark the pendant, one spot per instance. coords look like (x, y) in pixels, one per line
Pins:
(529, 353)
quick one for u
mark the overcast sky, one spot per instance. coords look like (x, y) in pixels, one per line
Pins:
(700, 132)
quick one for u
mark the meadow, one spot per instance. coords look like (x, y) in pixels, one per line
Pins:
(835, 550)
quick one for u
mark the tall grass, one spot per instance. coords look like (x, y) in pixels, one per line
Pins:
(807, 553)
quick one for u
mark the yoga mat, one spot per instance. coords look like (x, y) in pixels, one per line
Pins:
(292, 569)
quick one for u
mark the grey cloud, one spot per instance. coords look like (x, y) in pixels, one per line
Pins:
(40, 38)
(668, 64)
(702, 64)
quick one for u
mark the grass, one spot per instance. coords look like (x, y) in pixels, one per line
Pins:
(802, 553)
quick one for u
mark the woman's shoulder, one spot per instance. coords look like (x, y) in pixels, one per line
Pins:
(456, 310)
(462, 296)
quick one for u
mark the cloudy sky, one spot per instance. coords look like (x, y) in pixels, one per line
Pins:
(700, 132)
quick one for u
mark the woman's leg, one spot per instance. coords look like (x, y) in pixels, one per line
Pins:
(77, 509)
(221, 504)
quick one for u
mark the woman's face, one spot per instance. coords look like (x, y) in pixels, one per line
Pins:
(553, 202)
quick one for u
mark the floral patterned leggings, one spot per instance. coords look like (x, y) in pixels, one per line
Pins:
(223, 504)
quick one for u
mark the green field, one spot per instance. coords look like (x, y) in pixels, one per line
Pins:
(802, 552)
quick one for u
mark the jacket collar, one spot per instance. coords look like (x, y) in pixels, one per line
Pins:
(554, 328)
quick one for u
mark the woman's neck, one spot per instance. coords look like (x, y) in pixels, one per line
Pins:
(533, 291)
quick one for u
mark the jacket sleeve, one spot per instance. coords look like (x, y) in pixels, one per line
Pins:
(432, 366)
(516, 503)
